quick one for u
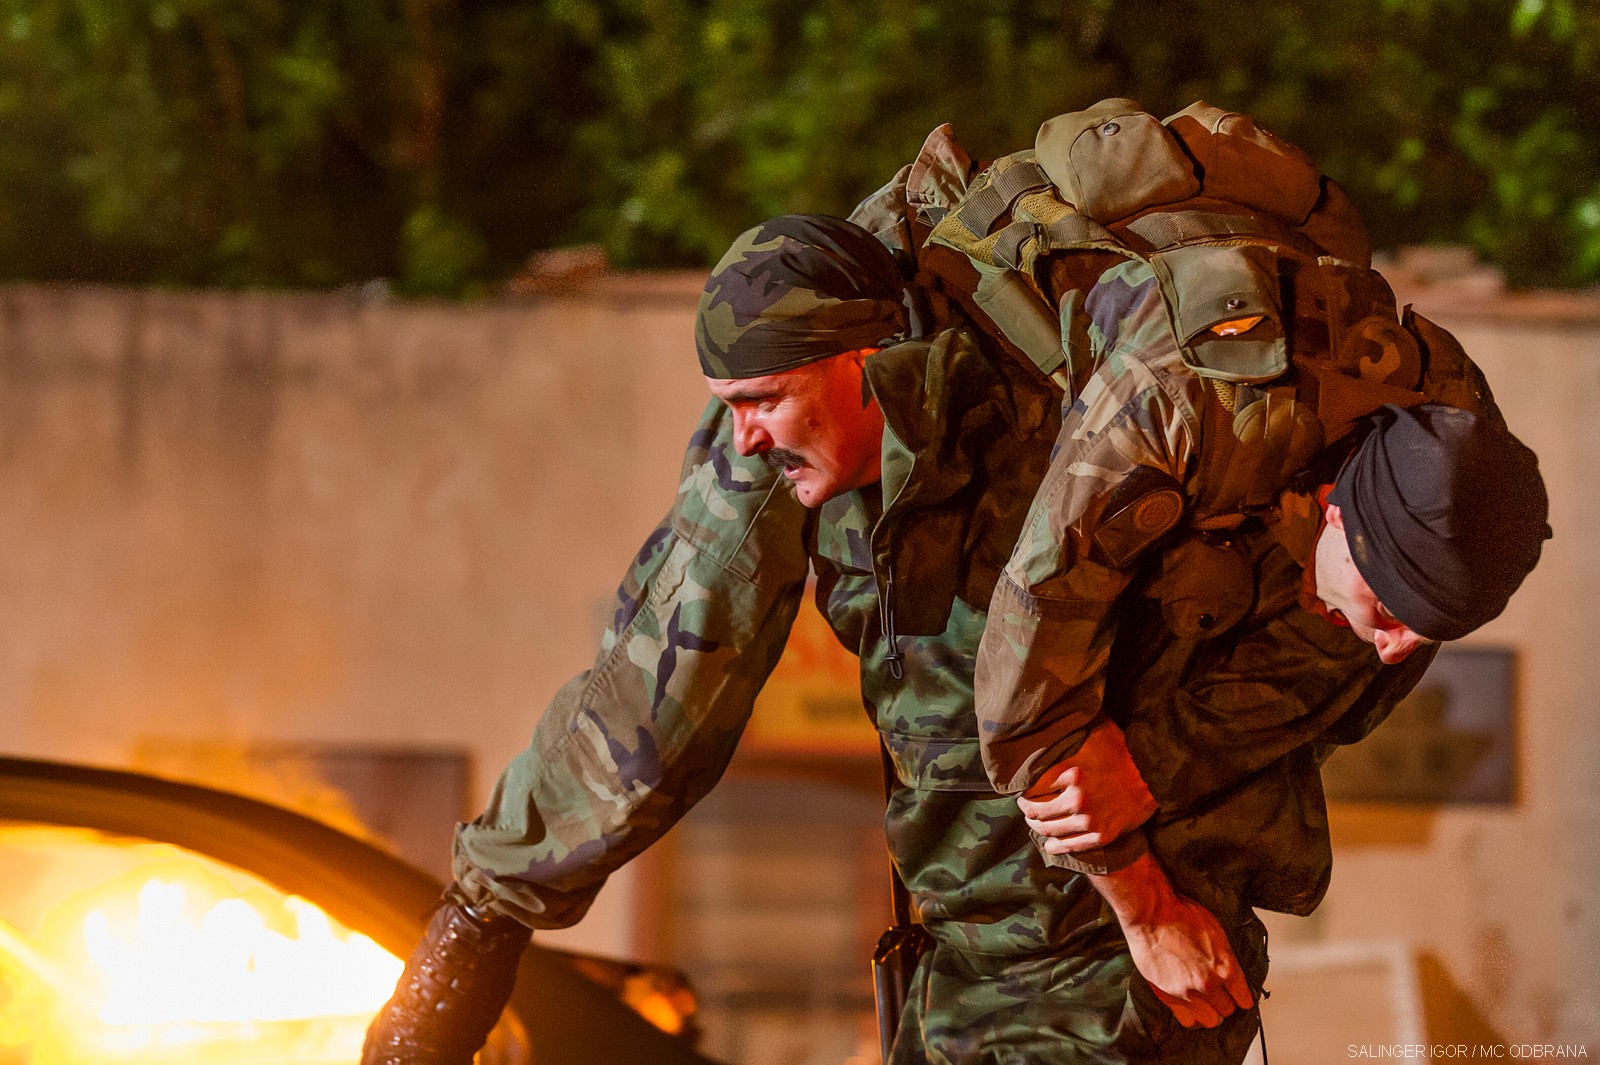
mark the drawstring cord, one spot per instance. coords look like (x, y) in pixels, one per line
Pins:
(886, 619)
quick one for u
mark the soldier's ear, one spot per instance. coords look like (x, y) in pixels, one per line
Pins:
(1334, 515)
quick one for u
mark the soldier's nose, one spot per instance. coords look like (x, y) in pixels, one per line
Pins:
(747, 438)
(1395, 645)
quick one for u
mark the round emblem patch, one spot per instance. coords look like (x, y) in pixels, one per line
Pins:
(1158, 511)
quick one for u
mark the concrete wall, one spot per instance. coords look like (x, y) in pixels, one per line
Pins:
(240, 518)
(307, 518)
(1504, 902)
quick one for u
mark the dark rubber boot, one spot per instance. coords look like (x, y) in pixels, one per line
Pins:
(455, 984)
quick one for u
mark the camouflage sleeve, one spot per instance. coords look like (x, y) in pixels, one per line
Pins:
(1040, 670)
(626, 748)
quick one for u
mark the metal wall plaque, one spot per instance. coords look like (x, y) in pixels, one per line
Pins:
(1452, 740)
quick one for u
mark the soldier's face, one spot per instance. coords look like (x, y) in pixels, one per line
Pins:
(818, 424)
(1347, 596)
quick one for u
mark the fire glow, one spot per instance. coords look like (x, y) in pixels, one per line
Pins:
(229, 966)
(186, 961)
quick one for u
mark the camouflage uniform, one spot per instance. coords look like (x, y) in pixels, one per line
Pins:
(1027, 964)
(624, 750)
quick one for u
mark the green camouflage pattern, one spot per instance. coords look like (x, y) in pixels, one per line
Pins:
(1085, 1004)
(626, 748)
(962, 432)
(793, 290)
(976, 574)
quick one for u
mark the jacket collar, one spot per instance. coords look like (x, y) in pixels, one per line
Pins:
(940, 399)
(945, 406)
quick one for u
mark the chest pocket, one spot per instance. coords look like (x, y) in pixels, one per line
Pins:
(1204, 589)
(926, 720)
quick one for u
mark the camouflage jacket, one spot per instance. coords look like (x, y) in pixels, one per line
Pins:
(1156, 583)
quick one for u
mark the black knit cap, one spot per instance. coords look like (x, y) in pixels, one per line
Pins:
(1445, 514)
(794, 290)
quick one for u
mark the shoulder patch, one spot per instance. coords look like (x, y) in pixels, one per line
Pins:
(1142, 509)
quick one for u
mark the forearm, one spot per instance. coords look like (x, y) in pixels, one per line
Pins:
(624, 750)
(1139, 893)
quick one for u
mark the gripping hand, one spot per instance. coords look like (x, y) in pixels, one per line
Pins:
(1090, 799)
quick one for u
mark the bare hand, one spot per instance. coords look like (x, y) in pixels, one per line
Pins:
(1185, 957)
(1090, 799)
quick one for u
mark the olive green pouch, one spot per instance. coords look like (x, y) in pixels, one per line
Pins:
(1207, 286)
(1113, 160)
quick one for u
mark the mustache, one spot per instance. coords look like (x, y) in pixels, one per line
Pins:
(781, 457)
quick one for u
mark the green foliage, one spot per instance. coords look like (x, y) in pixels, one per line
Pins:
(280, 142)
(439, 142)
(440, 253)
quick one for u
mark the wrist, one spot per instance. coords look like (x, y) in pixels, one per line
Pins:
(1139, 893)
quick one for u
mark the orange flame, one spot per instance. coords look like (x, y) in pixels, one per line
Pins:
(229, 966)
(184, 962)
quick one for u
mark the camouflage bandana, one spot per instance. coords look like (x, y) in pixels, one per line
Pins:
(796, 289)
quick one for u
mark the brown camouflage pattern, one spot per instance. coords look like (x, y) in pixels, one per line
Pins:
(1219, 676)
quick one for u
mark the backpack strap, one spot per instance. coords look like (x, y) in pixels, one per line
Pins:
(1170, 229)
(995, 197)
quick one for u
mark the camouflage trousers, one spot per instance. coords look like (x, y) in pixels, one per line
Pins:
(1088, 1006)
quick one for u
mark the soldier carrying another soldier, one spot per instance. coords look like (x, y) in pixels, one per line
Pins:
(1133, 493)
